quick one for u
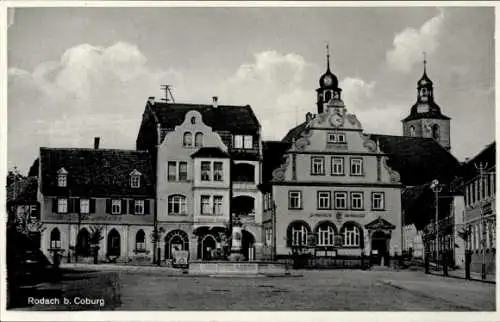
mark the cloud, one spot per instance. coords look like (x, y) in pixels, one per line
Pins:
(409, 44)
(90, 91)
(357, 93)
(273, 84)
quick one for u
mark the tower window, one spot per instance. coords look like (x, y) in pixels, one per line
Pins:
(328, 96)
(435, 132)
(412, 130)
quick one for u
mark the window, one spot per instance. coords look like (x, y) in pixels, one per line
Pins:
(198, 139)
(357, 200)
(61, 180)
(172, 171)
(317, 165)
(205, 171)
(356, 167)
(140, 241)
(139, 207)
(135, 181)
(351, 236)
(55, 238)
(218, 173)
(378, 201)
(84, 206)
(187, 140)
(177, 171)
(217, 205)
(205, 205)
(334, 137)
(247, 142)
(412, 130)
(337, 166)
(324, 198)
(326, 235)
(294, 200)
(193, 120)
(116, 207)
(435, 132)
(243, 142)
(176, 204)
(62, 205)
(183, 171)
(299, 235)
(340, 200)
(238, 141)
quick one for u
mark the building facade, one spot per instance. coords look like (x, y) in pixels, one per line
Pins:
(334, 193)
(208, 166)
(84, 193)
(479, 187)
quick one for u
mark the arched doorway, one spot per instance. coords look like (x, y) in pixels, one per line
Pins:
(247, 245)
(208, 245)
(379, 247)
(175, 240)
(83, 243)
(114, 243)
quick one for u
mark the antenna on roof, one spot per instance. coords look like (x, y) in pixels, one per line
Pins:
(168, 93)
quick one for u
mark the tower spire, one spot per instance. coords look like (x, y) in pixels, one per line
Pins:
(327, 57)
(425, 62)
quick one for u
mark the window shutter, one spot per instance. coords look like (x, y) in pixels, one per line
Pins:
(146, 207)
(108, 206)
(131, 206)
(124, 206)
(54, 205)
(92, 205)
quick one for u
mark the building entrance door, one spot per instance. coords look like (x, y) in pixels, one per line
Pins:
(379, 247)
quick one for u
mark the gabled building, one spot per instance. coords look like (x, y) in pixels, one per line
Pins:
(84, 190)
(333, 182)
(208, 161)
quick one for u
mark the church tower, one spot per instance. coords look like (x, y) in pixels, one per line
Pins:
(425, 119)
(328, 87)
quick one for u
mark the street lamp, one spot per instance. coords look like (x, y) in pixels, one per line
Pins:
(436, 188)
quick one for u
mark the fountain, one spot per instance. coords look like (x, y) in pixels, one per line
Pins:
(236, 265)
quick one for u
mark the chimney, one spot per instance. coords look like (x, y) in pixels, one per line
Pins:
(96, 142)
(151, 100)
(214, 101)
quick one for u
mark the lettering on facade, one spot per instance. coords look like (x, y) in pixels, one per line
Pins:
(355, 215)
(320, 215)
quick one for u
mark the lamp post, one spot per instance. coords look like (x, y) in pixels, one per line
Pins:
(436, 188)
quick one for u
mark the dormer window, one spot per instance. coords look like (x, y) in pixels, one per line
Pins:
(135, 179)
(62, 178)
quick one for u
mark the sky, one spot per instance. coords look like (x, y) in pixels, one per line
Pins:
(78, 73)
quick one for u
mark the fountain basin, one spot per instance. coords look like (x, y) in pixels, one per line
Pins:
(222, 268)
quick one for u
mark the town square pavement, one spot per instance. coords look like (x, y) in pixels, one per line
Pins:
(157, 288)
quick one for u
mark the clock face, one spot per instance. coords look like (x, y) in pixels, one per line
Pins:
(328, 81)
(337, 120)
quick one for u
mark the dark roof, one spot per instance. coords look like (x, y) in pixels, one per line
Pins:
(434, 112)
(238, 119)
(418, 160)
(96, 172)
(210, 152)
(273, 152)
(486, 156)
(294, 133)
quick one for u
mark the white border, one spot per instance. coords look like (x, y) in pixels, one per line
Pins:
(211, 315)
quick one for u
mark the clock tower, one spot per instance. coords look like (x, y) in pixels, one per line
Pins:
(426, 119)
(328, 90)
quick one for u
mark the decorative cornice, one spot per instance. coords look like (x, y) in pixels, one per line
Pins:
(279, 173)
(354, 120)
(394, 175)
(369, 144)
